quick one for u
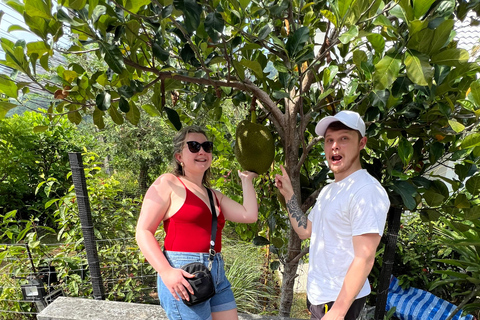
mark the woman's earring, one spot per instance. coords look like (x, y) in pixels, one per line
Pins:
(182, 165)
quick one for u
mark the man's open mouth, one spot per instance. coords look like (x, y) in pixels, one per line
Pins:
(336, 158)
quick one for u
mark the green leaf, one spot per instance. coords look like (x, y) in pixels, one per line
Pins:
(14, 27)
(75, 4)
(277, 95)
(98, 118)
(254, 66)
(420, 7)
(239, 69)
(359, 57)
(187, 53)
(151, 110)
(407, 192)
(132, 31)
(98, 12)
(126, 91)
(280, 66)
(351, 34)
(103, 100)
(50, 202)
(473, 185)
(377, 41)
(471, 141)
(387, 70)
(9, 215)
(451, 57)
(214, 25)
(265, 31)
(297, 40)
(5, 107)
(133, 115)
(461, 202)
(329, 74)
(174, 118)
(417, 26)
(260, 241)
(69, 75)
(472, 213)
(418, 68)
(460, 226)
(38, 8)
(343, 7)
(456, 126)
(40, 128)
(74, 116)
(430, 41)
(123, 105)
(405, 151)
(135, 5)
(474, 94)
(113, 57)
(433, 198)
(192, 11)
(8, 87)
(116, 117)
(38, 47)
(330, 16)
(159, 52)
(278, 242)
(441, 36)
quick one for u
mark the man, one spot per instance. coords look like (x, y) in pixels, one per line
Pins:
(345, 225)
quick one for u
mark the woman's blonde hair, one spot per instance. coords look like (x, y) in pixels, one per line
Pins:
(178, 144)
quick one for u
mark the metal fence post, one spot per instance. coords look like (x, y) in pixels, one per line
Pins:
(393, 220)
(78, 176)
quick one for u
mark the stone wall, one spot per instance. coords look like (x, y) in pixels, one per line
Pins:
(67, 308)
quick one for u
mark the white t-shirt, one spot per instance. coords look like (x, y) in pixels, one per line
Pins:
(356, 205)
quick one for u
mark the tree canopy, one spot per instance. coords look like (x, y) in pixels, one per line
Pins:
(395, 62)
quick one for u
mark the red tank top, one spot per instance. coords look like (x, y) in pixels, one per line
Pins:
(189, 229)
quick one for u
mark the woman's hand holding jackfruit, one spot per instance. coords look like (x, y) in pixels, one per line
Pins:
(284, 184)
(247, 176)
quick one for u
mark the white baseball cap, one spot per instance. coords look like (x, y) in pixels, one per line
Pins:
(349, 118)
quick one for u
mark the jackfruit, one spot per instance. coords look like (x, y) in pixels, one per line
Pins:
(254, 147)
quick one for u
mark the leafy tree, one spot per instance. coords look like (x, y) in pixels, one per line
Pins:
(137, 153)
(29, 155)
(295, 62)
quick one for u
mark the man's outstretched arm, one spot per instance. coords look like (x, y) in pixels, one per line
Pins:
(298, 219)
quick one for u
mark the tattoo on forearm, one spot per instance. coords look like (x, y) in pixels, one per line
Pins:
(297, 213)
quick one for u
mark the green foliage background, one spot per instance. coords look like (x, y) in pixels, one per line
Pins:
(395, 62)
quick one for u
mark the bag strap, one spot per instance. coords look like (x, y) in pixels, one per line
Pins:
(211, 252)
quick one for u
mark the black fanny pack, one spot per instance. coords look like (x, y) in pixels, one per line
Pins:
(202, 283)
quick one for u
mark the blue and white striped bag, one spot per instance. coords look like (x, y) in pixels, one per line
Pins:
(416, 304)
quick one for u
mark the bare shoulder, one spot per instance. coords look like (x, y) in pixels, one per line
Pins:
(220, 196)
(166, 182)
(218, 193)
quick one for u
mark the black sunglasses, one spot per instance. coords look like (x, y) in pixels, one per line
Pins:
(195, 146)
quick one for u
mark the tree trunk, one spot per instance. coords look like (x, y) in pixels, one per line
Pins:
(143, 178)
(290, 273)
(291, 147)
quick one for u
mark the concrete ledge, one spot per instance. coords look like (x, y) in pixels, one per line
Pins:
(67, 308)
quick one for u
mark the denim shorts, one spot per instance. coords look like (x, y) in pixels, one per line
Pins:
(223, 299)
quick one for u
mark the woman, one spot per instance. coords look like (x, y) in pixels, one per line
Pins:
(181, 202)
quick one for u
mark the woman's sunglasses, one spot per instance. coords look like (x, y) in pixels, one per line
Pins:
(195, 146)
